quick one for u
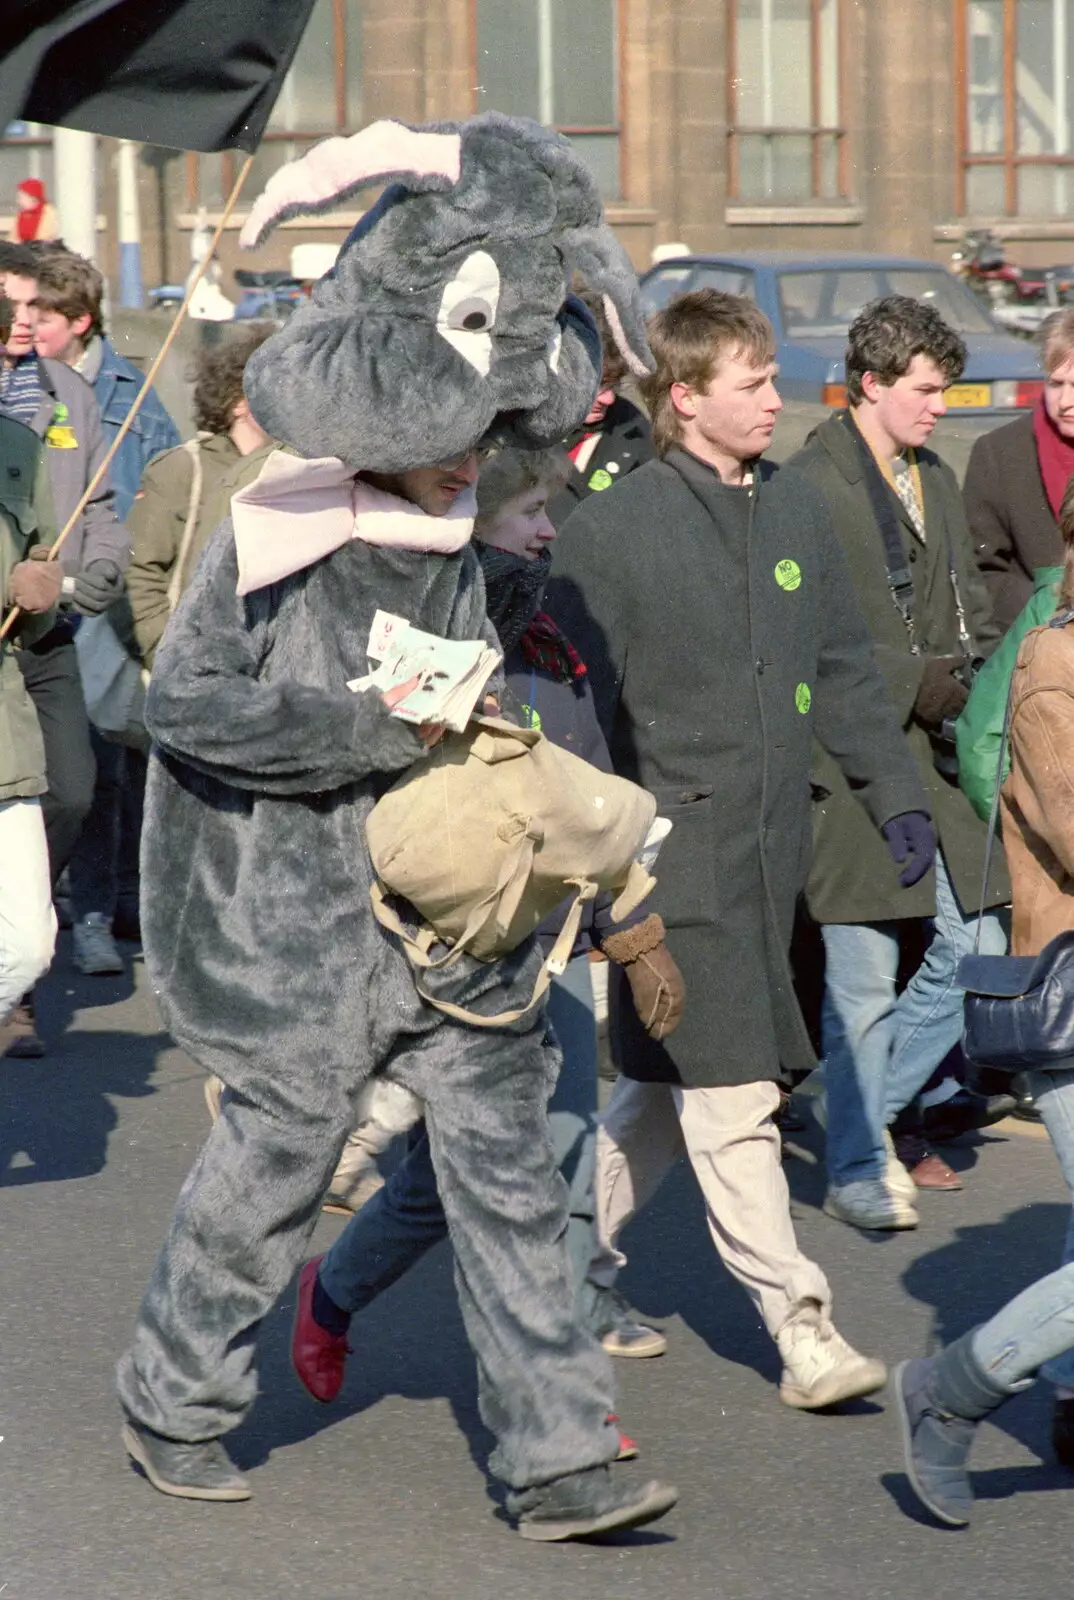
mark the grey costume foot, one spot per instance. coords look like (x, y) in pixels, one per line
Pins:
(586, 1503)
(939, 1402)
(201, 1471)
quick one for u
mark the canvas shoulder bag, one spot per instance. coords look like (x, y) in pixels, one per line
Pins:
(489, 836)
(1018, 1012)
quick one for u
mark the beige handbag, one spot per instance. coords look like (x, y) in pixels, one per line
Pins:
(490, 835)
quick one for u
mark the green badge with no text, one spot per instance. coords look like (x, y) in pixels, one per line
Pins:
(788, 575)
(803, 697)
(600, 480)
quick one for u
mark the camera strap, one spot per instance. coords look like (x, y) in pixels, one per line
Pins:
(883, 501)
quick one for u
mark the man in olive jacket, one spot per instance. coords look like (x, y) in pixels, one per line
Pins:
(186, 492)
(27, 920)
(710, 600)
(898, 512)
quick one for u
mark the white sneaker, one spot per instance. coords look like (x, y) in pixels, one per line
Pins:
(95, 949)
(356, 1179)
(898, 1180)
(820, 1368)
(870, 1203)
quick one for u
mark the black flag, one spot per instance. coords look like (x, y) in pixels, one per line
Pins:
(191, 74)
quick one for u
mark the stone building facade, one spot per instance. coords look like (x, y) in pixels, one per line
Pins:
(721, 124)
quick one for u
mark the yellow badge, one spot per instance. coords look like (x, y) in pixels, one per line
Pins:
(788, 575)
(803, 698)
(61, 438)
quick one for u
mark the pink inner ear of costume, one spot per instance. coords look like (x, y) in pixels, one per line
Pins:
(634, 362)
(334, 169)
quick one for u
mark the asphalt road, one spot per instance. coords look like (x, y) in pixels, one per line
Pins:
(383, 1496)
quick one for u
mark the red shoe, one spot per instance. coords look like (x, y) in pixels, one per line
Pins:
(628, 1447)
(317, 1356)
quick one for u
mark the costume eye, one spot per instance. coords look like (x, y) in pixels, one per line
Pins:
(467, 312)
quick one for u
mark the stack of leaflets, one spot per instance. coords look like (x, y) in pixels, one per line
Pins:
(451, 672)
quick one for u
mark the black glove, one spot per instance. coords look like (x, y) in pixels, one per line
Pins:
(97, 586)
(940, 694)
(912, 835)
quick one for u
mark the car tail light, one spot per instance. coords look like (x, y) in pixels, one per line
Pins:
(1024, 392)
(834, 395)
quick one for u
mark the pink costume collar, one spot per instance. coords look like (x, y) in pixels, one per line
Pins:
(297, 512)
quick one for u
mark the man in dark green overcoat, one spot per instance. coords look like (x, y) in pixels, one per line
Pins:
(710, 599)
(898, 513)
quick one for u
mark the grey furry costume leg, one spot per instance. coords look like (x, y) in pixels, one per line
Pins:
(240, 1226)
(247, 1210)
(545, 1384)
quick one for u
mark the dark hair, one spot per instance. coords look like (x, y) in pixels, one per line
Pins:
(218, 380)
(71, 285)
(7, 316)
(17, 259)
(889, 333)
(689, 339)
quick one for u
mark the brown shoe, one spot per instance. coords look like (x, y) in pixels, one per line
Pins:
(928, 1170)
(19, 1033)
(934, 1173)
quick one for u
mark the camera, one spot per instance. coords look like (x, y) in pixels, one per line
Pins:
(944, 748)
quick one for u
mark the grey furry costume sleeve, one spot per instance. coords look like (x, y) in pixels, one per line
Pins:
(210, 703)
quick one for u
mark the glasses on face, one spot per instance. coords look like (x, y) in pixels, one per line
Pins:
(479, 453)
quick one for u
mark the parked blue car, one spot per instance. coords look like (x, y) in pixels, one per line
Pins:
(812, 300)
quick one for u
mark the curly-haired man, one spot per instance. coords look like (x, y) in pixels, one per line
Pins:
(898, 511)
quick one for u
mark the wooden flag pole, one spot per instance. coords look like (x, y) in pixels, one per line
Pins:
(202, 268)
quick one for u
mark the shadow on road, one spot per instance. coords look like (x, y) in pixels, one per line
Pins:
(970, 1277)
(55, 1113)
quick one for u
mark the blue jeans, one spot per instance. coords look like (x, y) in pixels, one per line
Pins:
(880, 1048)
(1035, 1330)
(405, 1219)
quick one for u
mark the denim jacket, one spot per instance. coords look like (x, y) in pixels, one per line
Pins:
(115, 386)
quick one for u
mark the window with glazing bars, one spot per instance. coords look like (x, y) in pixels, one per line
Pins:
(1015, 74)
(556, 61)
(786, 142)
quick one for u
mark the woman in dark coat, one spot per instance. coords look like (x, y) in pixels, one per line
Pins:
(1016, 478)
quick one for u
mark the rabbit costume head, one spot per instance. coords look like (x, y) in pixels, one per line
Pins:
(446, 316)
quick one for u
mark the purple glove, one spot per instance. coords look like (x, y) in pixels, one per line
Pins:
(912, 835)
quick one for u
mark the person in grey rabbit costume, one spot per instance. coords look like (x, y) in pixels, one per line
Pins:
(445, 317)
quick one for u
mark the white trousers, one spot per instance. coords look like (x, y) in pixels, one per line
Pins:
(734, 1148)
(27, 920)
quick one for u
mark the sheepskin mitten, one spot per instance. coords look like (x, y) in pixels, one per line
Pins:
(656, 984)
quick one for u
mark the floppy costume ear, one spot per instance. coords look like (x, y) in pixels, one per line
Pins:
(597, 254)
(385, 151)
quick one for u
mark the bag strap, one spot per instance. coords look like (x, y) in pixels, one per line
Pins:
(554, 964)
(882, 500)
(1060, 620)
(197, 479)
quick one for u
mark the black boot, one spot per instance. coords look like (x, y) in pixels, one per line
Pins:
(585, 1503)
(939, 1402)
(1063, 1431)
(965, 1112)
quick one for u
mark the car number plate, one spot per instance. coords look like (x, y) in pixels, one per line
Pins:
(969, 394)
